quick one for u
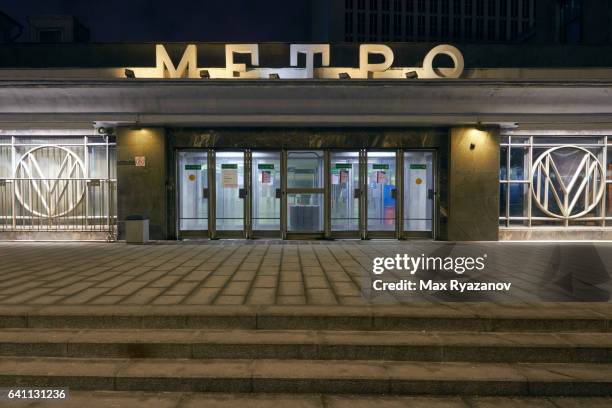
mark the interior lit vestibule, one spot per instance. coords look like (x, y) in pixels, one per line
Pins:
(306, 193)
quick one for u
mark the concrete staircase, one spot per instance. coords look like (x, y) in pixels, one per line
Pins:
(444, 350)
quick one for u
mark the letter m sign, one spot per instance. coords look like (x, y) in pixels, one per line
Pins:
(188, 64)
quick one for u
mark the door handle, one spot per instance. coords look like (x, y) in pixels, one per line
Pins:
(204, 193)
(357, 193)
(279, 193)
(242, 193)
(394, 193)
(430, 194)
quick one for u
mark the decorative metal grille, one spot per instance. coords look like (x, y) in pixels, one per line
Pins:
(561, 179)
(58, 183)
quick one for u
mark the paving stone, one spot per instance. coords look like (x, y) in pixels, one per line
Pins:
(127, 288)
(321, 296)
(26, 296)
(229, 300)
(225, 271)
(291, 300)
(316, 282)
(84, 296)
(168, 300)
(346, 289)
(181, 288)
(352, 300)
(291, 276)
(202, 296)
(261, 296)
(164, 282)
(106, 300)
(236, 288)
(215, 281)
(142, 296)
(291, 289)
(45, 299)
(246, 276)
(265, 282)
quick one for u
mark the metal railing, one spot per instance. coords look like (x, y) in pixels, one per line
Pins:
(59, 204)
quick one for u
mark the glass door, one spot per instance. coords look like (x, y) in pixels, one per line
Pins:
(381, 197)
(192, 177)
(305, 193)
(230, 195)
(419, 194)
(265, 194)
(345, 193)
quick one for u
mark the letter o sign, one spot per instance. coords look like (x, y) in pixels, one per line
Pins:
(446, 49)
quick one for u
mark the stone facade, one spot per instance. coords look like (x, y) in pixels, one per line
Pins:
(473, 213)
(141, 190)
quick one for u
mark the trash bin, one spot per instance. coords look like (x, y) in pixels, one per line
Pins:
(136, 229)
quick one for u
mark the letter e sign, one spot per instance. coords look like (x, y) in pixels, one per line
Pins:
(139, 161)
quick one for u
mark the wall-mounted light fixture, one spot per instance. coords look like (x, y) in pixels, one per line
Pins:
(204, 74)
(273, 76)
(129, 73)
(344, 75)
(105, 131)
(412, 75)
(477, 134)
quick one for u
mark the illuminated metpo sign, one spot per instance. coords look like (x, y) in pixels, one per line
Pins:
(188, 64)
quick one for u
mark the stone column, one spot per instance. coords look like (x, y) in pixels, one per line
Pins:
(142, 189)
(473, 213)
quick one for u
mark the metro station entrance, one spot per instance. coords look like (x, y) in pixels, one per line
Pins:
(306, 194)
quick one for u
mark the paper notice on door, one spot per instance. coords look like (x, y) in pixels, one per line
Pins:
(266, 177)
(335, 179)
(229, 178)
(380, 177)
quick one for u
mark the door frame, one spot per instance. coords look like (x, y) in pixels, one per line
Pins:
(393, 234)
(212, 182)
(250, 232)
(285, 233)
(357, 234)
(190, 234)
(403, 234)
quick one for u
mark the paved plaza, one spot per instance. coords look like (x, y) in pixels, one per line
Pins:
(278, 272)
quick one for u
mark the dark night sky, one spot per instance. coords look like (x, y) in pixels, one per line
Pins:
(168, 20)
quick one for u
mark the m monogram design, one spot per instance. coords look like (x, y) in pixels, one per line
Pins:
(567, 194)
(50, 181)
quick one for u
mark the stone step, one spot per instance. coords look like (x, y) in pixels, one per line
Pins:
(433, 317)
(140, 399)
(310, 376)
(309, 345)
